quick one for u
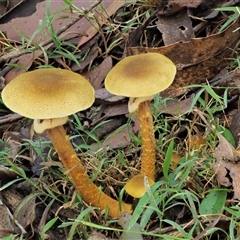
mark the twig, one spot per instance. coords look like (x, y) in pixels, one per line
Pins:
(21, 52)
(210, 226)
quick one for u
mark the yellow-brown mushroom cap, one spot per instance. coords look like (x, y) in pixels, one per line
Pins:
(141, 75)
(48, 93)
(135, 186)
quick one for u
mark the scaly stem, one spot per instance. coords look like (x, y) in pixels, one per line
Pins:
(74, 168)
(148, 156)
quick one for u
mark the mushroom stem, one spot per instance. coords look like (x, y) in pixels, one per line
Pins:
(148, 157)
(74, 168)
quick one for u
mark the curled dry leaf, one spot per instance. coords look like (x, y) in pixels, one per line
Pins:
(227, 171)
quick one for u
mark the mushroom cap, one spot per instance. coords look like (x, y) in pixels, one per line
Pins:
(141, 75)
(48, 93)
(135, 186)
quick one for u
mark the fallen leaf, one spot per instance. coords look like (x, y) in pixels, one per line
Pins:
(175, 28)
(227, 174)
(97, 236)
(187, 3)
(206, 10)
(7, 174)
(29, 24)
(117, 140)
(116, 109)
(176, 107)
(102, 13)
(224, 149)
(14, 145)
(3, 8)
(6, 225)
(19, 8)
(25, 214)
(131, 233)
(97, 75)
(227, 171)
(103, 96)
(25, 61)
(235, 127)
(92, 54)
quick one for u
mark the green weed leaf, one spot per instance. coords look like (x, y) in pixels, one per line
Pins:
(214, 202)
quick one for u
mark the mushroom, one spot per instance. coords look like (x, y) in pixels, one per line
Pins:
(49, 96)
(175, 159)
(136, 186)
(139, 77)
(196, 142)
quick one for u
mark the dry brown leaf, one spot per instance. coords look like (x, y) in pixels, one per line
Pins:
(175, 28)
(97, 236)
(3, 8)
(29, 24)
(227, 174)
(6, 226)
(83, 28)
(124, 221)
(227, 171)
(26, 214)
(198, 59)
(176, 107)
(15, 147)
(187, 3)
(97, 75)
(103, 96)
(235, 127)
(7, 174)
(114, 141)
(224, 149)
(18, 8)
(108, 9)
(116, 109)
(21, 200)
(25, 61)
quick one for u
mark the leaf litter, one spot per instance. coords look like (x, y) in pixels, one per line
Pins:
(191, 42)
